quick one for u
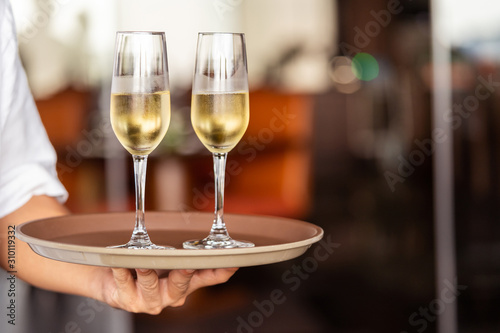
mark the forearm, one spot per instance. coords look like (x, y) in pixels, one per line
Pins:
(36, 270)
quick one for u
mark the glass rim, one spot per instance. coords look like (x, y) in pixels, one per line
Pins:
(140, 32)
(221, 33)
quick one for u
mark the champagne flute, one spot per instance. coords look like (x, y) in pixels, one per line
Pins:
(219, 115)
(140, 111)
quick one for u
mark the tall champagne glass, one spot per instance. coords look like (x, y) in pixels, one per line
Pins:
(219, 115)
(140, 110)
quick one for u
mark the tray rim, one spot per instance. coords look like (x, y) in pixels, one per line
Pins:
(178, 252)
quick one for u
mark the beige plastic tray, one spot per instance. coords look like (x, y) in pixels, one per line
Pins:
(82, 239)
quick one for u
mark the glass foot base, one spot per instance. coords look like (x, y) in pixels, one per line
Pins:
(141, 241)
(141, 246)
(216, 243)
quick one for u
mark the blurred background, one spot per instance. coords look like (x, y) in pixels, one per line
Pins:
(350, 84)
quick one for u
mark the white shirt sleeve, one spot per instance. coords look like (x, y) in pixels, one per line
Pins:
(27, 158)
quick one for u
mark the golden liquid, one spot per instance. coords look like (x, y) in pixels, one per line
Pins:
(220, 120)
(140, 121)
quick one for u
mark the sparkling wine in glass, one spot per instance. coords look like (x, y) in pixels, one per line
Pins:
(219, 115)
(140, 111)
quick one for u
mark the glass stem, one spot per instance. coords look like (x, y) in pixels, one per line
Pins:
(140, 163)
(219, 227)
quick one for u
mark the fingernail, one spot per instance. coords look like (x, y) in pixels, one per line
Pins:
(142, 270)
(190, 271)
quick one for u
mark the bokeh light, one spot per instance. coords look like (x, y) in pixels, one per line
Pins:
(365, 66)
(343, 76)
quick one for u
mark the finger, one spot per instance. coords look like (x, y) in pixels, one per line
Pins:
(210, 277)
(125, 284)
(149, 289)
(178, 283)
(147, 282)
